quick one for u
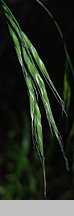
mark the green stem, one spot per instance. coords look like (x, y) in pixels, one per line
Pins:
(60, 34)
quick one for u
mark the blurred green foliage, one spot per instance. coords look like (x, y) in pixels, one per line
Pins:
(21, 172)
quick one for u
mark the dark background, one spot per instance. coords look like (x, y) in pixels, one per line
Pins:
(20, 169)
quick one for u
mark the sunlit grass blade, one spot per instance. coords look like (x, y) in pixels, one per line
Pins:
(8, 11)
(66, 88)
